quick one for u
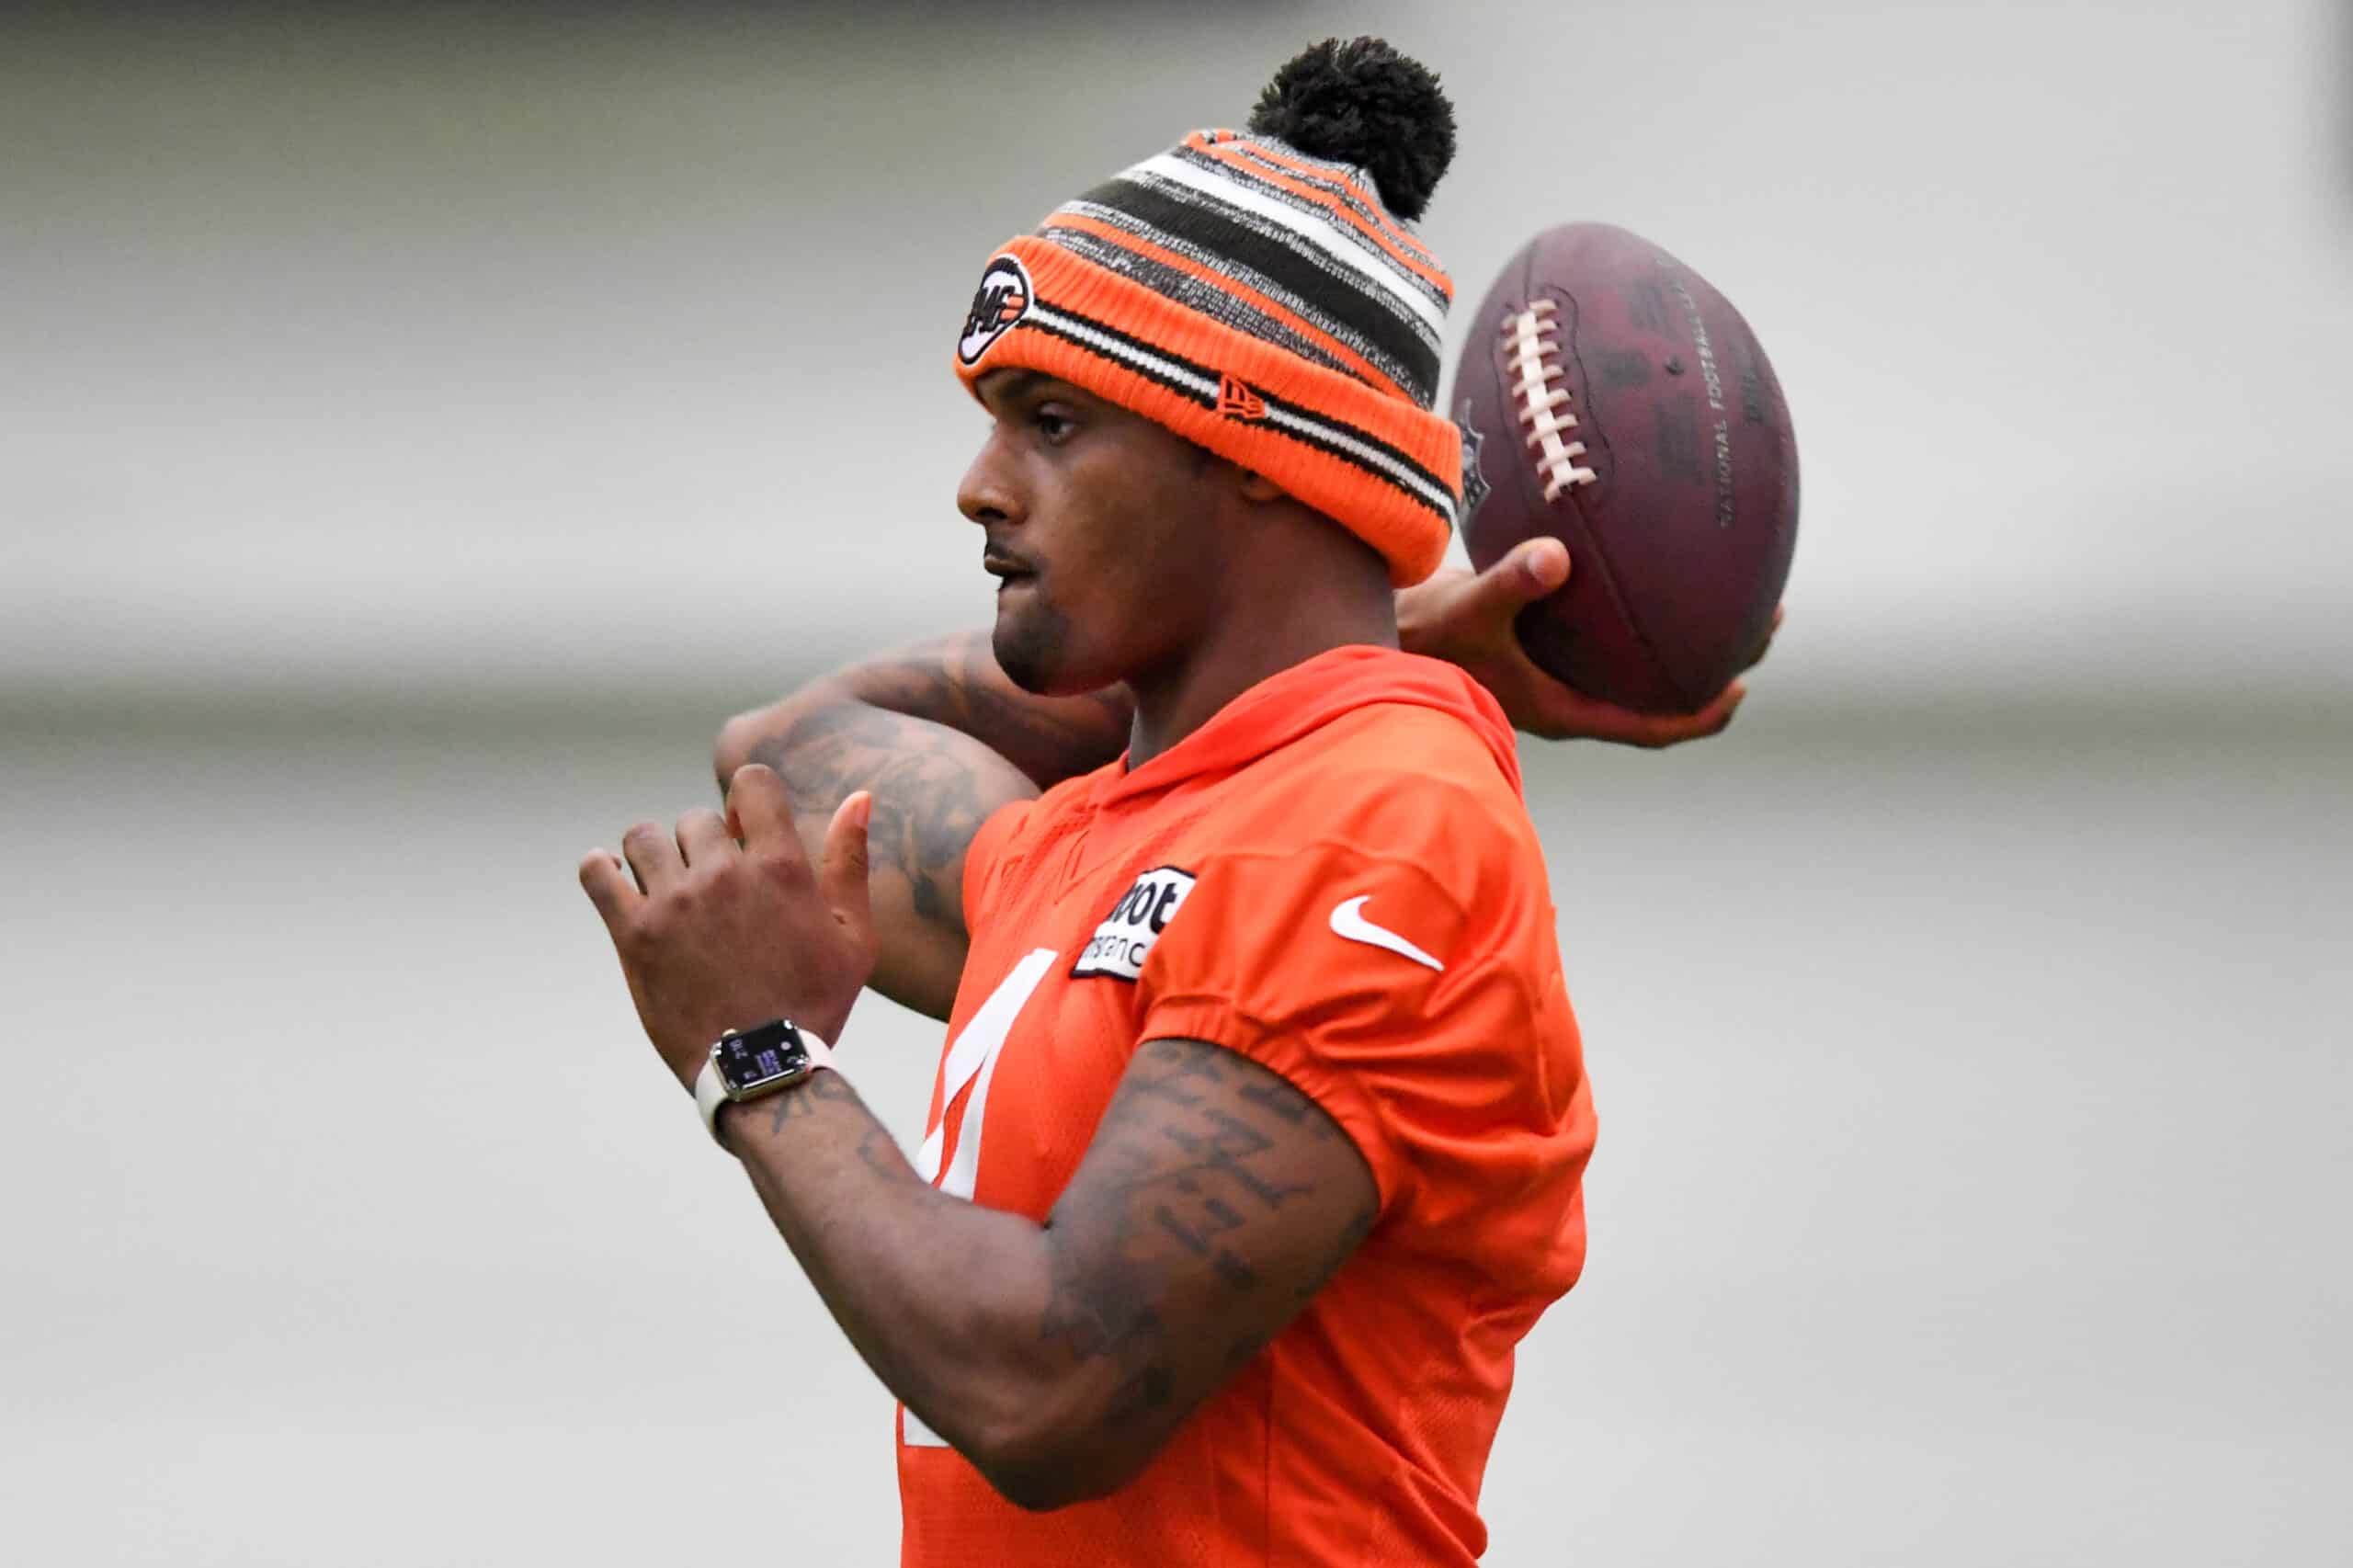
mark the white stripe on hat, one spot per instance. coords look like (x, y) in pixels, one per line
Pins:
(1236, 193)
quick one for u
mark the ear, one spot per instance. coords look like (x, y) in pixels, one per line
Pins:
(1256, 486)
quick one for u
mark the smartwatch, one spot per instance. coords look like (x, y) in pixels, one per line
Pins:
(749, 1064)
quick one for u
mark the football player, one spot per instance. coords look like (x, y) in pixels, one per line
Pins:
(1256, 1146)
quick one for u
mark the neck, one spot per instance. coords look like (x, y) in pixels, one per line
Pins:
(1264, 626)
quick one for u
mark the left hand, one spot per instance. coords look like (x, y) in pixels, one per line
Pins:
(726, 925)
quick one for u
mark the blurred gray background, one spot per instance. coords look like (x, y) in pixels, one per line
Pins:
(418, 431)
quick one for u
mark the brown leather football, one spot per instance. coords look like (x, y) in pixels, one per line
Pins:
(1619, 403)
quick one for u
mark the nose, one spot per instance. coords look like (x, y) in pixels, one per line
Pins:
(986, 493)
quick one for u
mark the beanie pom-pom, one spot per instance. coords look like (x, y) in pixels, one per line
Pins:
(1359, 101)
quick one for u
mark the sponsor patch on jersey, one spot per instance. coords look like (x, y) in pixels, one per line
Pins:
(1003, 299)
(1124, 940)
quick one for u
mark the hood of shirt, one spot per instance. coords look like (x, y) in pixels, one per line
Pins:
(1304, 699)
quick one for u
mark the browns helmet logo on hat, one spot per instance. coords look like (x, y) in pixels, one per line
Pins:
(1002, 299)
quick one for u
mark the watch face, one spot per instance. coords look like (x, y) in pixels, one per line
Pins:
(771, 1053)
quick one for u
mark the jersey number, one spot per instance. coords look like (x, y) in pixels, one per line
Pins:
(971, 1060)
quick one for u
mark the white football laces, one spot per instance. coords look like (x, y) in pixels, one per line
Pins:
(1542, 400)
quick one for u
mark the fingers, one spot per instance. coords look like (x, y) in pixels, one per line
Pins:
(607, 883)
(1477, 611)
(758, 808)
(653, 855)
(1711, 720)
(703, 838)
(1543, 563)
(1658, 732)
(1534, 568)
(843, 879)
(1576, 714)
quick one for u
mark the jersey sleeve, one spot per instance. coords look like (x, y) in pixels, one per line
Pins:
(1400, 972)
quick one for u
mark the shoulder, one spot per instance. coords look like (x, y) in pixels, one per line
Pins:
(1389, 781)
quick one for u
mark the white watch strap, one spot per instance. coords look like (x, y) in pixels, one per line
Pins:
(710, 1090)
(709, 1095)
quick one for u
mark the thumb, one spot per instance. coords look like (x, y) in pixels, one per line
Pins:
(1534, 568)
(842, 877)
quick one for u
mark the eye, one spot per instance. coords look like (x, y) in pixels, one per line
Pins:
(1054, 424)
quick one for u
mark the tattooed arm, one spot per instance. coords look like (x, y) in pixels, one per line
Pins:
(1214, 1200)
(942, 739)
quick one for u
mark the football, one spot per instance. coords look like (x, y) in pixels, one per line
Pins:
(1612, 399)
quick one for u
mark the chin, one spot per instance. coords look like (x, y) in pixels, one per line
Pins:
(1040, 652)
(1016, 661)
(1032, 646)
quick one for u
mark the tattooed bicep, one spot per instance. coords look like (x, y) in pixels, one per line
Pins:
(956, 681)
(943, 739)
(1214, 1201)
(932, 787)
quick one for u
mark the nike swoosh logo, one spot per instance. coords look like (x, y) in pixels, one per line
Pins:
(1347, 920)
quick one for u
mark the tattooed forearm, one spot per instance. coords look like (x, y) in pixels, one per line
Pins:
(806, 1097)
(956, 681)
(941, 739)
(875, 1148)
(929, 799)
(1213, 1201)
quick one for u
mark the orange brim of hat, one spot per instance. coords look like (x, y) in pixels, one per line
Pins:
(1379, 465)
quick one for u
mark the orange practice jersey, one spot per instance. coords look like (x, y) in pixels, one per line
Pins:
(1337, 878)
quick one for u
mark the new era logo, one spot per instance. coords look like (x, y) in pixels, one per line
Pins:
(1236, 401)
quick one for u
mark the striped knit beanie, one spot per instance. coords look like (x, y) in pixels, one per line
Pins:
(1258, 293)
